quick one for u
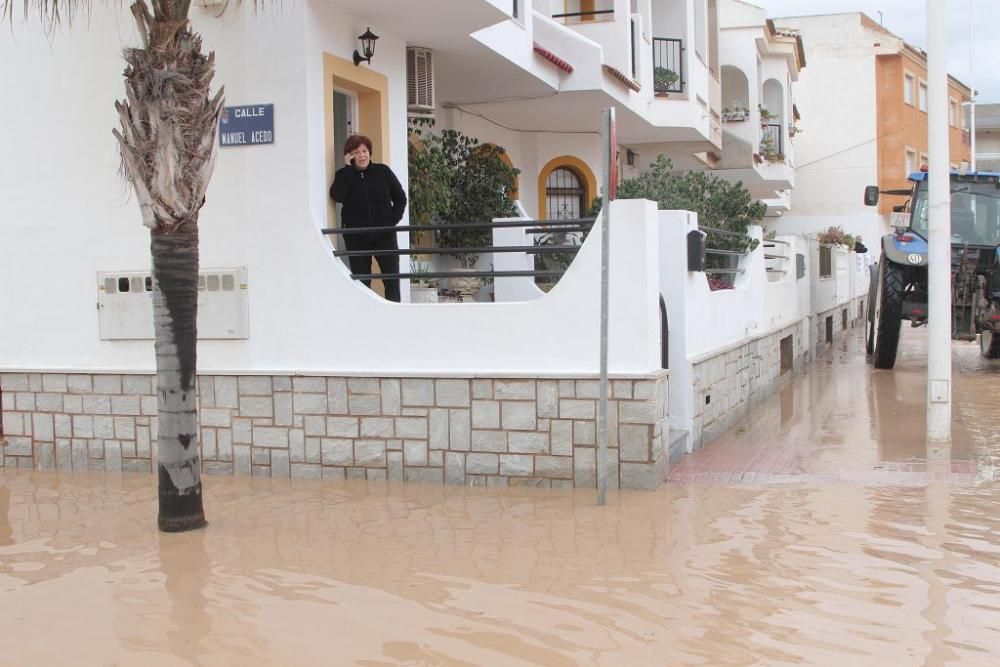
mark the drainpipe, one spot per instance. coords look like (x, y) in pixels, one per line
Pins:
(939, 238)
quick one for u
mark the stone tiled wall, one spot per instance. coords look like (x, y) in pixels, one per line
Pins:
(457, 431)
(853, 319)
(726, 385)
(732, 381)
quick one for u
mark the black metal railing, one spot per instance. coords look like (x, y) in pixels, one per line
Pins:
(771, 144)
(775, 257)
(668, 65)
(533, 227)
(583, 15)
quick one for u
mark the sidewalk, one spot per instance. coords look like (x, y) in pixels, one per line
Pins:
(844, 421)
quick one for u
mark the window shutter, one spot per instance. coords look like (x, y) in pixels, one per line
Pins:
(419, 79)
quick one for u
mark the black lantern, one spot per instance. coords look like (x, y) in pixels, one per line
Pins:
(367, 47)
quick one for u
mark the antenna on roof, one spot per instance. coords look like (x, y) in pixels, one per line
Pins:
(879, 16)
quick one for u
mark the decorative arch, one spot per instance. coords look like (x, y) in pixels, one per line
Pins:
(735, 88)
(774, 99)
(578, 167)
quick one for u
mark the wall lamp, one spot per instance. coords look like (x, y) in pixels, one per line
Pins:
(367, 47)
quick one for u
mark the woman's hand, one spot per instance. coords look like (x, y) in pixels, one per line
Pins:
(349, 159)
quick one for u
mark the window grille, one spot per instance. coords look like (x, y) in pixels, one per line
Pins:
(564, 195)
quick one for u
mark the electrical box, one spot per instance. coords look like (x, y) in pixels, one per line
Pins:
(125, 305)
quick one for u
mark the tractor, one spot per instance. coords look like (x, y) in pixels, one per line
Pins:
(898, 289)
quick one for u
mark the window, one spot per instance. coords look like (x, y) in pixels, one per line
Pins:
(825, 261)
(419, 79)
(953, 117)
(923, 96)
(910, 163)
(564, 194)
(909, 82)
(924, 160)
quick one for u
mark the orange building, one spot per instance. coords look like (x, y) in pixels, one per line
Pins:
(901, 103)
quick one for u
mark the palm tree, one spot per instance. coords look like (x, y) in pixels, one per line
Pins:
(168, 123)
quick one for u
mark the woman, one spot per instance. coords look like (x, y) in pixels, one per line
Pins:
(372, 197)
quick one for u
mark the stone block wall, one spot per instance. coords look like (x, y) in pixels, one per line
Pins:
(726, 385)
(539, 432)
(856, 314)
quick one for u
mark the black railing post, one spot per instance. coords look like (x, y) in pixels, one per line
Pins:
(635, 49)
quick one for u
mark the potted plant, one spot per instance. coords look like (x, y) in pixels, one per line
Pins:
(422, 289)
(455, 180)
(765, 115)
(736, 113)
(835, 235)
(664, 79)
(768, 150)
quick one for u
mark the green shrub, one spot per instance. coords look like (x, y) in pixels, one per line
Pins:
(456, 180)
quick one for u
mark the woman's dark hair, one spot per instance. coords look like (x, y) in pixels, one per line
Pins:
(356, 140)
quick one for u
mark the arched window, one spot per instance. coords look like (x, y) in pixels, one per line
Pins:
(565, 184)
(564, 194)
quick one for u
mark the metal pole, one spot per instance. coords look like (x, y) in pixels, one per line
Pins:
(939, 237)
(607, 137)
(972, 85)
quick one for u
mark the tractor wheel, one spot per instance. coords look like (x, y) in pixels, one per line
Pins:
(889, 313)
(989, 343)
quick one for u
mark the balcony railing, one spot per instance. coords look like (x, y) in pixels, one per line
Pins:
(603, 10)
(668, 65)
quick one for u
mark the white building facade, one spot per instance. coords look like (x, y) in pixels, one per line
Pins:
(303, 372)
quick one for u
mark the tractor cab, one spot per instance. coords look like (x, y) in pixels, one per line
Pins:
(975, 208)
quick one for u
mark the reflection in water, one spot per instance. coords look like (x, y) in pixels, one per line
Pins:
(384, 574)
(6, 530)
(185, 566)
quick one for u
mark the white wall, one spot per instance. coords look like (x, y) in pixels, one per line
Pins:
(704, 323)
(836, 153)
(266, 207)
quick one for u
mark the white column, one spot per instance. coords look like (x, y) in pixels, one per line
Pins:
(939, 241)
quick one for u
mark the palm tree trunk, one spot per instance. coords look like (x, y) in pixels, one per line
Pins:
(167, 138)
(175, 311)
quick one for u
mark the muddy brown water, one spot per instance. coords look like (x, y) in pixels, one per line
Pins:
(820, 569)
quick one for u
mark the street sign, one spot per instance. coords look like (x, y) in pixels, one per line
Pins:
(248, 125)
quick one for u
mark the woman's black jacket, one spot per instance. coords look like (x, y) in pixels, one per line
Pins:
(371, 198)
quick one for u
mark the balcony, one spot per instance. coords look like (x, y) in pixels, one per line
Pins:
(668, 65)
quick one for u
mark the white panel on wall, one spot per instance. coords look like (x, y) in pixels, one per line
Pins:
(125, 305)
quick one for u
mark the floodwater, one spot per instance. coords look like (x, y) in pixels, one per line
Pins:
(894, 562)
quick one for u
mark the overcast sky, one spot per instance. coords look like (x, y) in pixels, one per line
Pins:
(907, 18)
